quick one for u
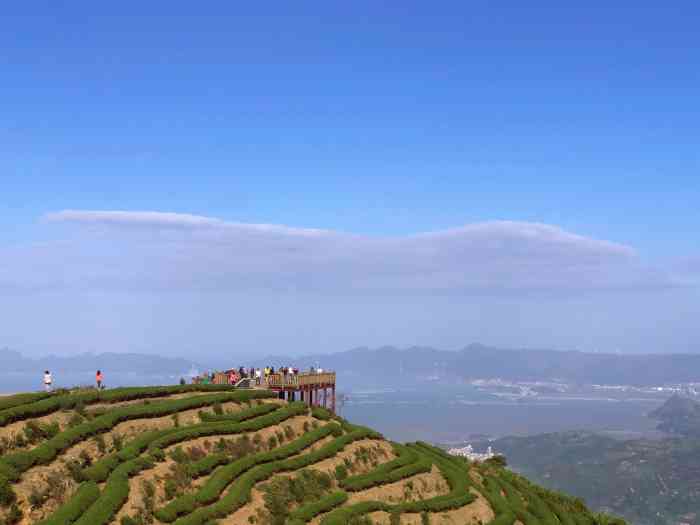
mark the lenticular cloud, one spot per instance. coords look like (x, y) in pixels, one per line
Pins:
(154, 250)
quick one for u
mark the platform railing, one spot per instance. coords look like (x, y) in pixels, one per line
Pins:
(300, 380)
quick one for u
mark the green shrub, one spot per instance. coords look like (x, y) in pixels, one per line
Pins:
(321, 413)
(235, 417)
(86, 495)
(341, 473)
(170, 489)
(18, 400)
(75, 420)
(344, 515)
(117, 442)
(114, 494)
(101, 445)
(307, 512)
(7, 492)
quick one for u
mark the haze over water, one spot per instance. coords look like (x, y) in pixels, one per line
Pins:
(461, 415)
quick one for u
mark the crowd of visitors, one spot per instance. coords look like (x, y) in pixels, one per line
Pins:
(259, 375)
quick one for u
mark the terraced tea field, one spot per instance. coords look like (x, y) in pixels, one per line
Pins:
(194, 455)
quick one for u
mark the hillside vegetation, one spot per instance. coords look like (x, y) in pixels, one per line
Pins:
(194, 455)
(647, 481)
(679, 416)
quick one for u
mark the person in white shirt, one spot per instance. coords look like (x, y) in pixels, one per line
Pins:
(48, 380)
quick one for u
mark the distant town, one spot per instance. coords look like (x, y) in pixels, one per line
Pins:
(468, 452)
(532, 389)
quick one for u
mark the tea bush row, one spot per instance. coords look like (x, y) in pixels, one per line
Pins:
(238, 416)
(321, 413)
(86, 495)
(222, 477)
(307, 512)
(406, 457)
(162, 438)
(48, 450)
(46, 404)
(458, 497)
(12, 465)
(21, 399)
(239, 493)
(114, 494)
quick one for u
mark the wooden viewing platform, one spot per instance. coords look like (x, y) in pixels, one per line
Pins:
(313, 388)
(316, 389)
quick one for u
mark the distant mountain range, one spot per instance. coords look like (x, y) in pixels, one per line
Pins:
(393, 366)
(13, 361)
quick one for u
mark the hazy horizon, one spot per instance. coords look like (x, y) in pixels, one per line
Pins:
(204, 357)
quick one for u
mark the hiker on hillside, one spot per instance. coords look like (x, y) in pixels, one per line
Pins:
(98, 379)
(48, 380)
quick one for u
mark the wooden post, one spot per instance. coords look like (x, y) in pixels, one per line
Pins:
(333, 398)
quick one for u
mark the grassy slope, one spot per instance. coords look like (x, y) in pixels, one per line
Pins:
(222, 480)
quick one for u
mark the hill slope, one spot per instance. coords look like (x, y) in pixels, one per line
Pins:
(679, 416)
(191, 455)
(649, 482)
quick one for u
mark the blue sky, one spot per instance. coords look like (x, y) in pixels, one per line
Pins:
(369, 121)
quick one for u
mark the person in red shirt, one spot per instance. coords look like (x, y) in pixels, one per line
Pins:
(98, 379)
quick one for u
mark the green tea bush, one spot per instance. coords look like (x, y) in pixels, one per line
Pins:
(86, 495)
(307, 512)
(114, 494)
(254, 411)
(344, 515)
(383, 473)
(322, 413)
(17, 400)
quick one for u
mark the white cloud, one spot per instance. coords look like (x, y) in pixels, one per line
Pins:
(154, 250)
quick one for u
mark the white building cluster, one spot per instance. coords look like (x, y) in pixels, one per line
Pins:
(468, 452)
